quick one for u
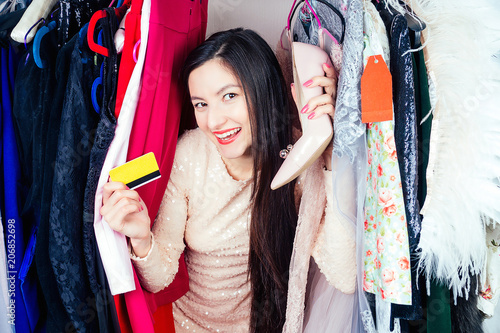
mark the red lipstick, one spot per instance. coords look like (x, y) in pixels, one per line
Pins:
(229, 139)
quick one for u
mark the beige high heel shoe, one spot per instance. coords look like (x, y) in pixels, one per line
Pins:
(317, 133)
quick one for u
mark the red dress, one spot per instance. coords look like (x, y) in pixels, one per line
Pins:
(176, 28)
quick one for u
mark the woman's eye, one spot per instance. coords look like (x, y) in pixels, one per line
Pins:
(200, 105)
(229, 96)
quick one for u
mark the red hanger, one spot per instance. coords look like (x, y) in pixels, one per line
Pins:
(90, 34)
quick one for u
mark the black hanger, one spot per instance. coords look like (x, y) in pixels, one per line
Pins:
(335, 10)
(415, 25)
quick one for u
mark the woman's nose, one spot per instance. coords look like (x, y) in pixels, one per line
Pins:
(216, 119)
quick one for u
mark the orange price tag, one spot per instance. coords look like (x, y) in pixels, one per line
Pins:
(376, 91)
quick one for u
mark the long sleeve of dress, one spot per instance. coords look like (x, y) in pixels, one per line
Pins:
(322, 235)
(335, 247)
(158, 269)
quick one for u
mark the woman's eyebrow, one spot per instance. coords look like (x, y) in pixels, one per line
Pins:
(231, 85)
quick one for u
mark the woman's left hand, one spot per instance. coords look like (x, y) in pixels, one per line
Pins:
(323, 104)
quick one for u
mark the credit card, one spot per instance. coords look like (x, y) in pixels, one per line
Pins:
(140, 171)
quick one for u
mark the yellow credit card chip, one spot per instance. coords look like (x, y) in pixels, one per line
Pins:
(138, 172)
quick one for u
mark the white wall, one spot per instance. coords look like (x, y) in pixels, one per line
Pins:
(267, 17)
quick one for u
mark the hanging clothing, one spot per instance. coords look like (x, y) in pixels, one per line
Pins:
(349, 146)
(41, 166)
(12, 235)
(113, 246)
(438, 296)
(7, 22)
(57, 235)
(325, 239)
(347, 123)
(26, 120)
(327, 309)
(348, 127)
(43, 268)
(387, 257)
(349, 157)
(464, 130)
(306, 30)
(326, 235)
(78, 122)
(465, 314)
(106, 312)
(438, 309)
(329, 20)
(73, 14)
(184, 29)
(30, 116)
(133, 33)
(10, 6)
(156, 123)
(405, 134)
(5, 317)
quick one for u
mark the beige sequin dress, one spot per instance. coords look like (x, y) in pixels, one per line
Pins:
(206, 213)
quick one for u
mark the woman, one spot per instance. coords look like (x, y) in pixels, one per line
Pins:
(218, 207)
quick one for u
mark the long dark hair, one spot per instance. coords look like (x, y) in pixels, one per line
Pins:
(273, 216)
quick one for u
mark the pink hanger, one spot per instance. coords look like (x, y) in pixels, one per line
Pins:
(314, 13)
(317, 19)
(136, 46)
(289, 15)
(291, 11)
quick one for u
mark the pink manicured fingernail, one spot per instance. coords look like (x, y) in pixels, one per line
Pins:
(311, 116)
(304, 109)
(140, 199)
(308, 83)
(127, 187)
(327, 66)
(141, 209)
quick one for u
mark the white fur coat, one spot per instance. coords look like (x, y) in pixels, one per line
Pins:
(463, 175)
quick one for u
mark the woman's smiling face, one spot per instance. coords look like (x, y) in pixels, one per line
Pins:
(221, 109)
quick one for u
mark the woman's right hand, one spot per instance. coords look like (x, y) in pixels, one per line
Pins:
(126, 213)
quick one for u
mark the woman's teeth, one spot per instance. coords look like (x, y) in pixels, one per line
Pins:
(228, 134)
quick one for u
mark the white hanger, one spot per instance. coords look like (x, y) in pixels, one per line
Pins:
(36, 10)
